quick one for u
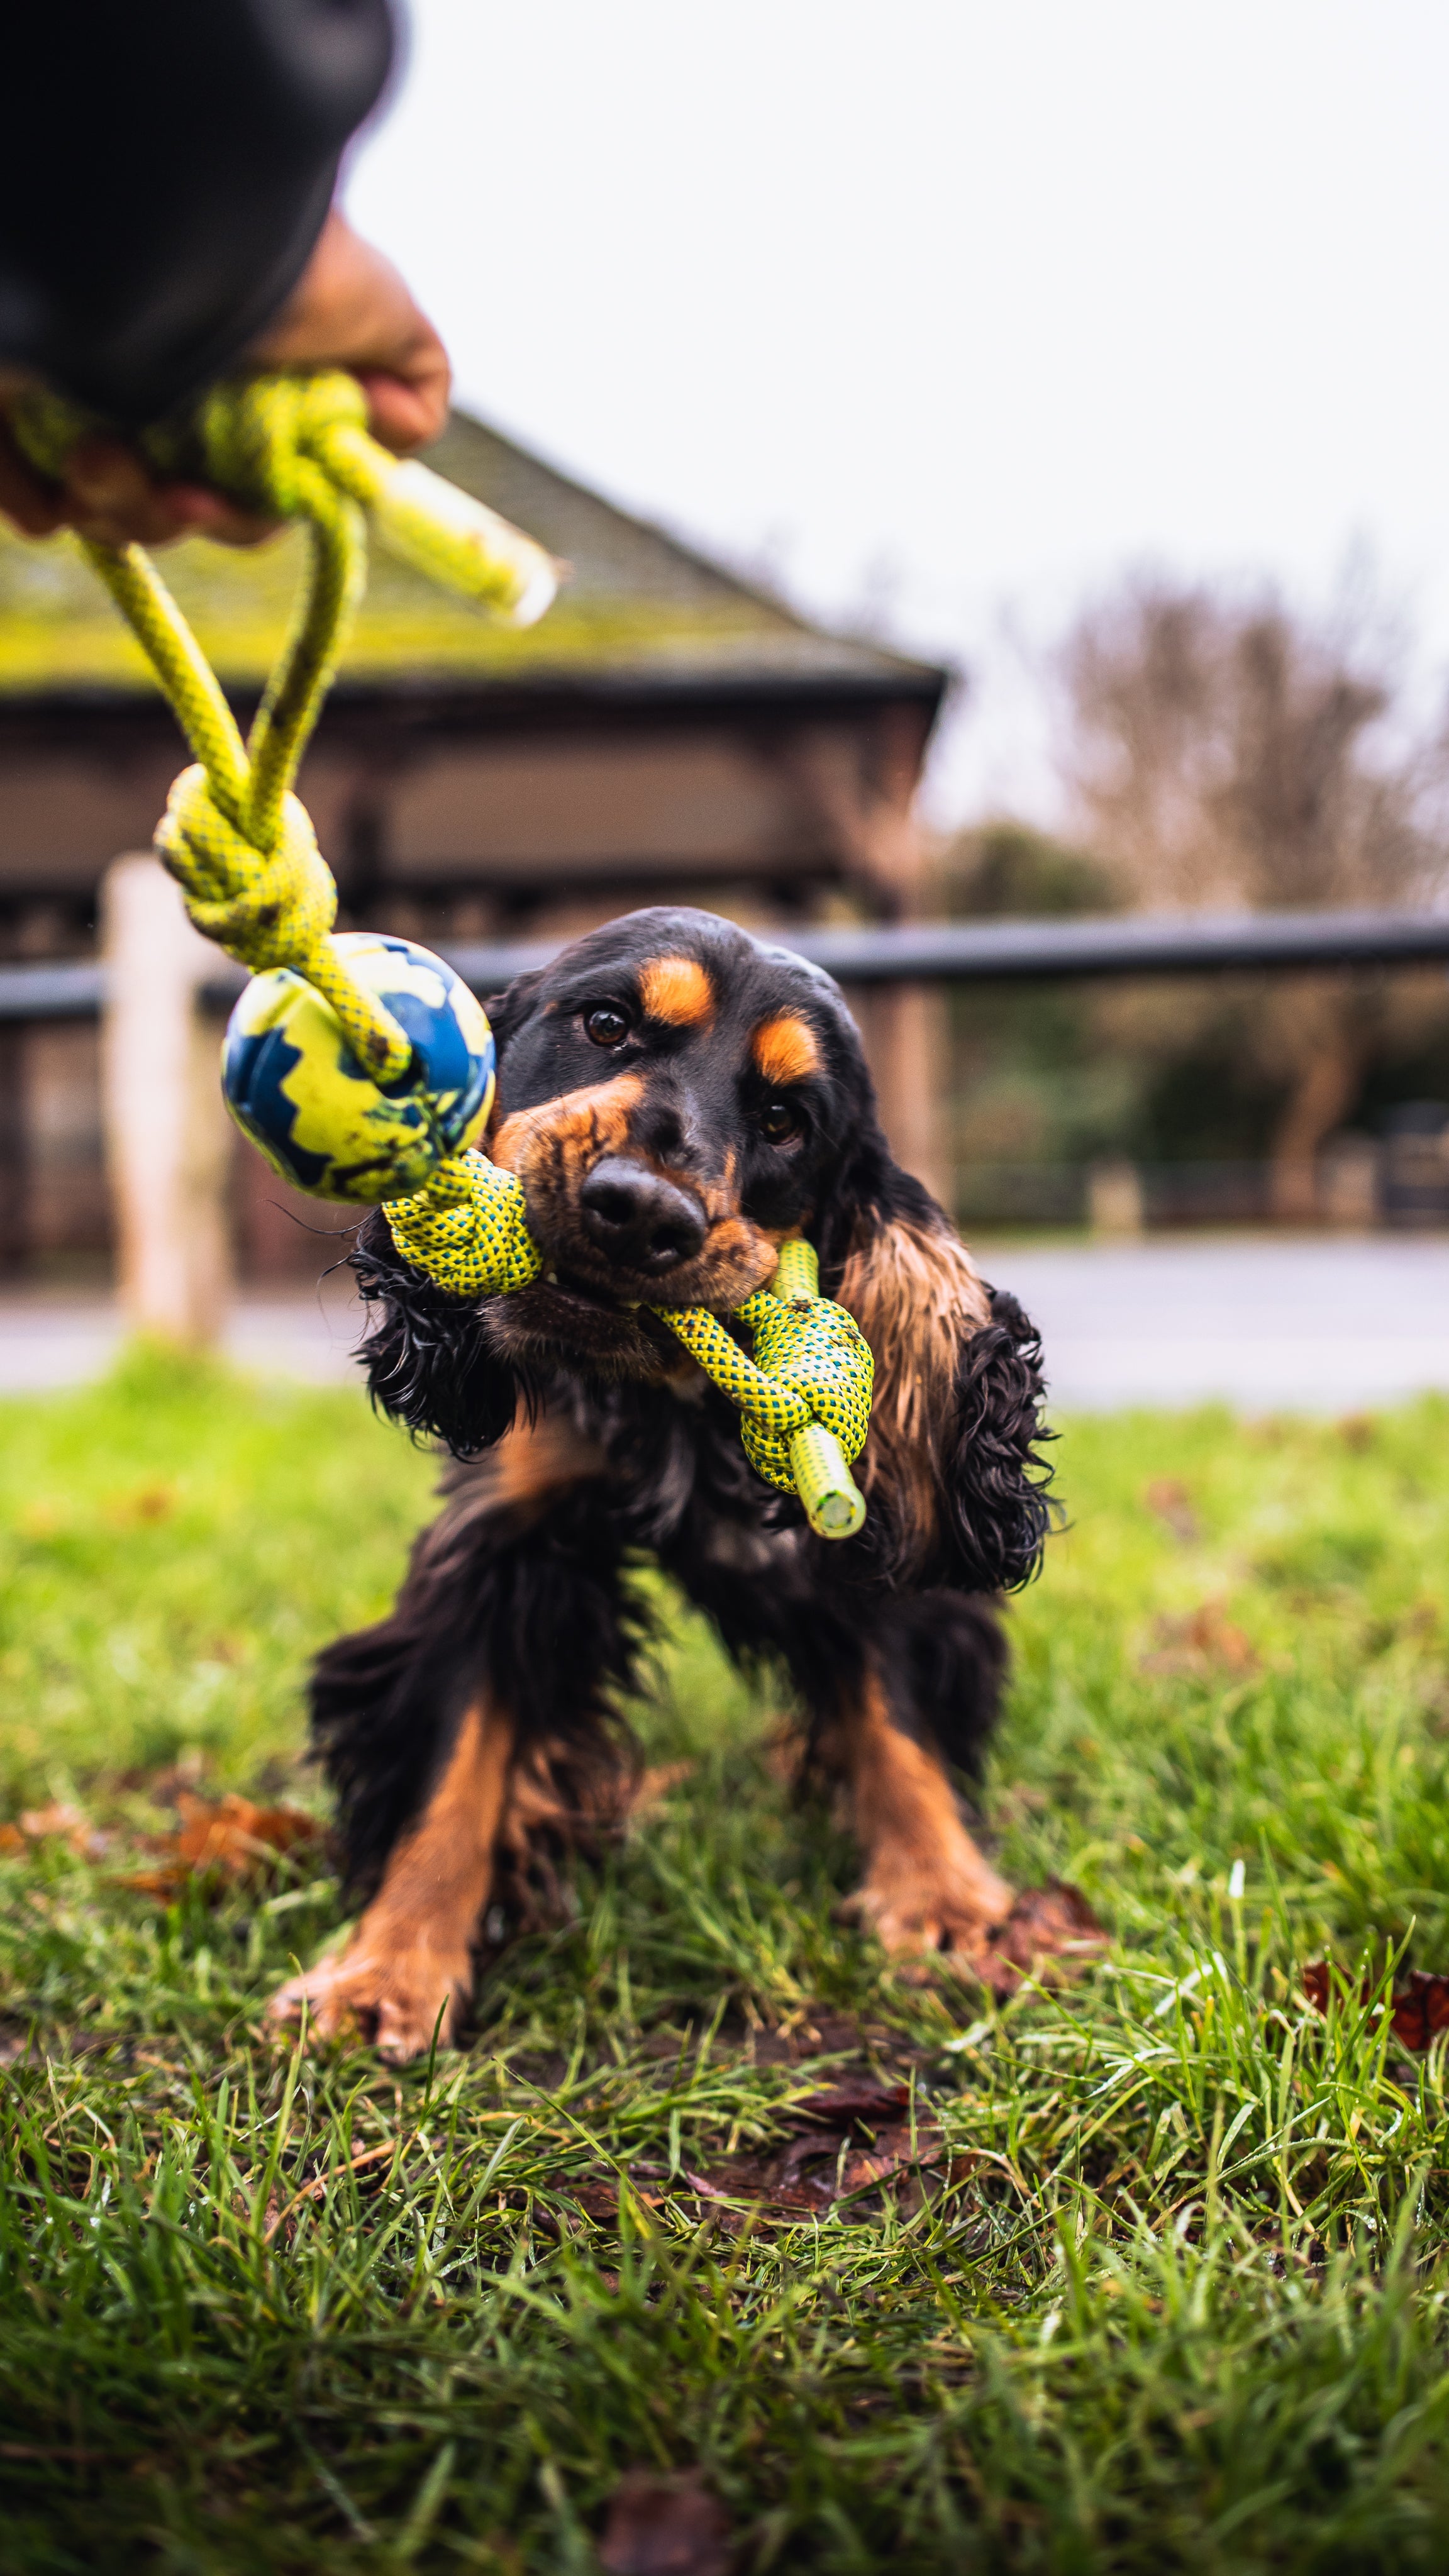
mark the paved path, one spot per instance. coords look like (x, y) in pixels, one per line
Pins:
(65, 1339)
(1325, 1325)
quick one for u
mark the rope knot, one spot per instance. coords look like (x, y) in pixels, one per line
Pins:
(468, 1230)
(812, 1366)
(818, 1368)
(260, 436)
(264, 907)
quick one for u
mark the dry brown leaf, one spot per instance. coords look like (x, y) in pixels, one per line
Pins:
(656, 1783)
(1199, 1641)
(149, 1503)
(665, 2526)
(1420, 2008)
(165, 1786)
(1168, 1499)
(839, 2106)
(1050, 1933)
(231, 1839)
(849, 2138)
(56, 1822)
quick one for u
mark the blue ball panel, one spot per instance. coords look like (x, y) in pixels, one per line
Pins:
(295, 1087)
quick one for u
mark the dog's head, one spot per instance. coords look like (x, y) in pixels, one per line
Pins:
(677, 1097)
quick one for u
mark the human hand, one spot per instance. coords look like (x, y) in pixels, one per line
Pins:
(349, 309)
(110, 495)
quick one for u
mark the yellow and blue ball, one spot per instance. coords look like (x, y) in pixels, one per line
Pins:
(295, 1087)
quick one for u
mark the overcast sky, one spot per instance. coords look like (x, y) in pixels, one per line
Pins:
(947, 310)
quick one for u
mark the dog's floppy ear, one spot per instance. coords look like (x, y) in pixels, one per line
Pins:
(998, 1512)
(506, 1011)
(950, 1470)
(427, 1359)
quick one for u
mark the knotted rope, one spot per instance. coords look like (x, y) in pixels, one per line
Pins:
(805, 1396)
(244, 853)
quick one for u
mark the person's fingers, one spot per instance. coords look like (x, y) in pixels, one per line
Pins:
(32, 505)
(110, 497)
(200, 512)
(351, 309)
(405, 414)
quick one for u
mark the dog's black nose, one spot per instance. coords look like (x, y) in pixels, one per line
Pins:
(637, 1219)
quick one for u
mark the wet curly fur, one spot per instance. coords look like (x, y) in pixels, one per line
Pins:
(581, 1441)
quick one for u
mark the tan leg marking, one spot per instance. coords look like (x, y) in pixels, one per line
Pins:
(926, 1885)
(408, 1968)
(536, 1459)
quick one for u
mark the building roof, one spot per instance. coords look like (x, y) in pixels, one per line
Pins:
(639, 609)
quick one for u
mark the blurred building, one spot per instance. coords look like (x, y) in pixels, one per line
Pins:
(667, 733)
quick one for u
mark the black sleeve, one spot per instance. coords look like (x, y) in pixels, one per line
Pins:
(167, 167)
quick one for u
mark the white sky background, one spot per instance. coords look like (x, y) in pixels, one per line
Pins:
(946, 311)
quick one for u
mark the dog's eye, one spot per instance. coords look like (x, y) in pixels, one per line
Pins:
(779, 1121)
(606, 1024)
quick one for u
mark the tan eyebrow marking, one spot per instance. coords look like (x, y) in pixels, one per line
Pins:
(785, 1050)
(676, 989)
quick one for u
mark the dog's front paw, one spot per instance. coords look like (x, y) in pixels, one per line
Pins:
(917, 1911)
(395, 1998)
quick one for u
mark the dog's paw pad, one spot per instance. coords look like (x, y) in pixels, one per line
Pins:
(395, 2002)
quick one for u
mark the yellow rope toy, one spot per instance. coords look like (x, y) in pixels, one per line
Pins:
(242, 848)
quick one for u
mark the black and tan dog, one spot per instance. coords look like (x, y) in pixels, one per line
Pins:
(677, 1098)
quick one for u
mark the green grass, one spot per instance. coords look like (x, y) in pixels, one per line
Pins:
(1182, 2305)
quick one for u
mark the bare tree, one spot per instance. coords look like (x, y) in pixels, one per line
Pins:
(1228, 752)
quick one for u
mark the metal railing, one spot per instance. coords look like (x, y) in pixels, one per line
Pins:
(994, 952)
(937, 952)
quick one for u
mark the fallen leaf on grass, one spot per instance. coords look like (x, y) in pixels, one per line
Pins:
(665, 2526)
(1420, 2009)
(57, 1822)
(149, 1503)
(824, 2162)
(166, 1786)
(232, 1840)
(839, 2106)
(1199, 1641)
(657, 1783)
(1050, 1932)
(1170, 1502)
(16, 2038)
(22, 2037)
(818, 2032)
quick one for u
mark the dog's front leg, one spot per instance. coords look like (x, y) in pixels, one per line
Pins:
(407, 1971)
(926, 1886)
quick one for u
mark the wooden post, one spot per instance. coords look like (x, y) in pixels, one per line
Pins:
(904, 1032)
(1116, 1209)
(168, 1137)
(14, 1150)
(867, 808)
